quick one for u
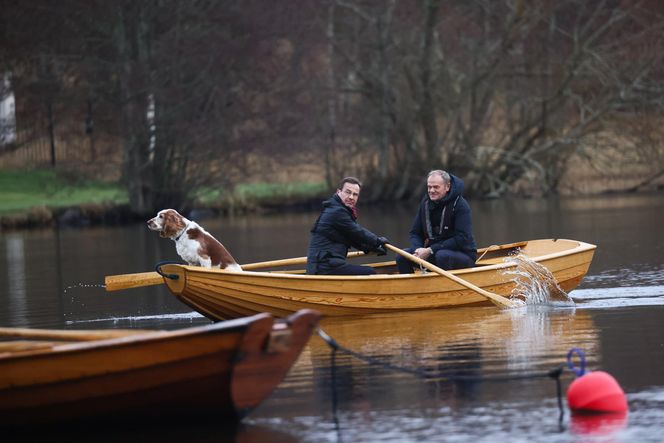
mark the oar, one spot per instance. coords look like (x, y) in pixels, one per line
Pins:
(56, 334)
(498, 300)
(137, 280)
(26, 345)
(288, 262)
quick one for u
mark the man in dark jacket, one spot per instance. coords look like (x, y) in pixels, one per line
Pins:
(336, 230)
(442, 230)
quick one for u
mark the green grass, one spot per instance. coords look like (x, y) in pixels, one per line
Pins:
(22, 190)
(266, 191)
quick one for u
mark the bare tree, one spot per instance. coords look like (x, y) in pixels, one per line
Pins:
(503, 93)
(186, 86)
(195, 96)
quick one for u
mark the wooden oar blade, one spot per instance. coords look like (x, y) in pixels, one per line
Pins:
(128, 281)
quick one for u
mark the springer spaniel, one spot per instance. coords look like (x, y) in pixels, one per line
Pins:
(193, 243)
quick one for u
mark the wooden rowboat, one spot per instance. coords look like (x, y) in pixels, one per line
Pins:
(222, 370)
(221, 294)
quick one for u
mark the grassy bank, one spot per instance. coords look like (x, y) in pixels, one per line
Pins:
(260, 195)
(22, 191)
(39, 197)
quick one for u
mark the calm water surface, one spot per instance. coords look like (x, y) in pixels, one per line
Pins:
(53, 278)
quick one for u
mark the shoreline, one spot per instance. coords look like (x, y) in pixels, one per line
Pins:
(93, 214)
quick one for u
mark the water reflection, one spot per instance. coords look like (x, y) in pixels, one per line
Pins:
(616, 321)
(198, 431)
(16, 277)
(431, 359)
(598, 425)
(519, 337)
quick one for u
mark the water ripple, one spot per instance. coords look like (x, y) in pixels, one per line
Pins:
(141, 318)
(619, 297)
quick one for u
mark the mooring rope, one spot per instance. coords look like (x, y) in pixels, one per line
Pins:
(428, 375)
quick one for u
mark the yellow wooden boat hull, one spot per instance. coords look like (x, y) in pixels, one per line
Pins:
(219, 294)
(221, 371)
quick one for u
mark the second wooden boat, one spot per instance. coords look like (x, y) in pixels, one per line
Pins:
(220, 371)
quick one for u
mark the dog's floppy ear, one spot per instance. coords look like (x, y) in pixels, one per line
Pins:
(165, 225)
(171, 224)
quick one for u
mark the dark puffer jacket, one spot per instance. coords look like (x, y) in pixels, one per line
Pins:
(335, 231)
(449, 224)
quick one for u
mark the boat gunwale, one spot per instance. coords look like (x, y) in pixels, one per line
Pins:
(148, 337)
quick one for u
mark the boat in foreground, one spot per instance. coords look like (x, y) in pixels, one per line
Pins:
(220, 371)
(219, 294)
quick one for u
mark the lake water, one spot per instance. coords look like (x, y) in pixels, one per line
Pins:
(485, 368)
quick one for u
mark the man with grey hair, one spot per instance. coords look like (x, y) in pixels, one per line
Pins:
(442, 230)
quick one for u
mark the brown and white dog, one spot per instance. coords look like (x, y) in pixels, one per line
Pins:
(193, 243)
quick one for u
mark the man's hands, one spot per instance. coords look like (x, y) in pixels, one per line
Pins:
(423, 253)
(380, 248)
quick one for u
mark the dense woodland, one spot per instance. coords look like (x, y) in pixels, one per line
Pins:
(181, 95)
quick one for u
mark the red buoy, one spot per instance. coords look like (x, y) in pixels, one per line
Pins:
(596, 392)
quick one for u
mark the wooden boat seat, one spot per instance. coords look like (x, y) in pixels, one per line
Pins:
(490, 261)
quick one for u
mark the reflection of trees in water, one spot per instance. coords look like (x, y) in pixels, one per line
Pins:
(16, 284)
(364, 382)
(460, 365)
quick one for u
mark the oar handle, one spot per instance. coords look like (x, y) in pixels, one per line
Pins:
(288, 262)
(128, 281)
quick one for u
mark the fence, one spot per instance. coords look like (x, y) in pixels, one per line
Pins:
(43, 141)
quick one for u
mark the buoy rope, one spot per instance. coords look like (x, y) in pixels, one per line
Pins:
(423, 373)
(162, 263)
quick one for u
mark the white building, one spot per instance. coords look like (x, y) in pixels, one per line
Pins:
(7, 113)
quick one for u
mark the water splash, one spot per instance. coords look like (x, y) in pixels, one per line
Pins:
(84, 285)
(535, 284)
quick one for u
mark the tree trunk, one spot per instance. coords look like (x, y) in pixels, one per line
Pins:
(137, 171)
(331, 99)
(427, 104)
